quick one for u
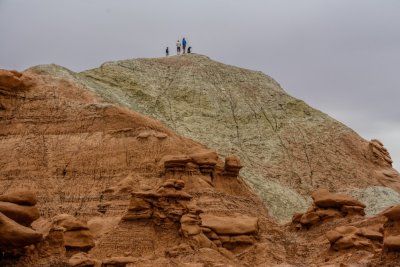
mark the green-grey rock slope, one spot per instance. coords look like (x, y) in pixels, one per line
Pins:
(287, 148)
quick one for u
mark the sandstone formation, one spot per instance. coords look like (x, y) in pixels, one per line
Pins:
(76, 232)
(328, 205)
(14, 235)
(84, 157)
(17, 212)
(392, 228)
(344, 237)
(117, 188)
(287, 148)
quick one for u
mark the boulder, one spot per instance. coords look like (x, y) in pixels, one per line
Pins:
(232, 165)
(392, 242)
(175, 161)
(353, 210)
(344, 237)
(205, 157)
(76, 232)
(392, 213)
(69, 222)
(190, 224)
(14, 235)
(371, 234)
(9, 79)
(328, 205)
(79, 239)
(309, 218)
(22, 197)
(325, 199)
(12, 80)
(24, 215)
(333, 236)
(232, 225)
(81, 259)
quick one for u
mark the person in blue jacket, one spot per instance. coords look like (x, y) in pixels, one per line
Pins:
(184, 45)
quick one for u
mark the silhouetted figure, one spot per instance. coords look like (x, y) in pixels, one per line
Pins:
(178, 47)
(189, 49)
(184, 45)
(167, 51)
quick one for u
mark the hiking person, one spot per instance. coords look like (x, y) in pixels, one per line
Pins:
(167, 52)
(189, 49)
(184, 45)
(178, 47)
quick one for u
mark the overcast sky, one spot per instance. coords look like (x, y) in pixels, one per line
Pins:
(340, 56)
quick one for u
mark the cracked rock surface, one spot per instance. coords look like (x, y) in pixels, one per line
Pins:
(288, 149)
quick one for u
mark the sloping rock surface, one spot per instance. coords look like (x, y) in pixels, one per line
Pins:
(99, 162)
(84, 157)
(287, 148)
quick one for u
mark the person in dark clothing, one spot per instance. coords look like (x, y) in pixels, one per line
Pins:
(189, 49)
(167, 51)
(184, 45)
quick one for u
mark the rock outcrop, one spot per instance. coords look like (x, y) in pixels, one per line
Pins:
(328, 205)
(117, 188)
(167, 203)
(17, 212)
(85, 157)
(171, 204)
(345, 237)
(77, 236)
(14, 235)
(379, 153)
(287, 148)
(392, 228)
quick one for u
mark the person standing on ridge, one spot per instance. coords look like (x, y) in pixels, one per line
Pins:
(184, 45)
(178, 47)
(189, 49)
(167, 52)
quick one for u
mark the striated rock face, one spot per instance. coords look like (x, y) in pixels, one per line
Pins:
(287, 148)
(85, 157)
(379, 153)
(168, 202)
(117, 188)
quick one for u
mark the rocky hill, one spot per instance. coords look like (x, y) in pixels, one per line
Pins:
(288, 149)
(113, 180)
(87, 180)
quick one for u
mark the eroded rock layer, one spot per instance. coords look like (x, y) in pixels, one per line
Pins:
(116, 188)
(287, 148)
(94, 167)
